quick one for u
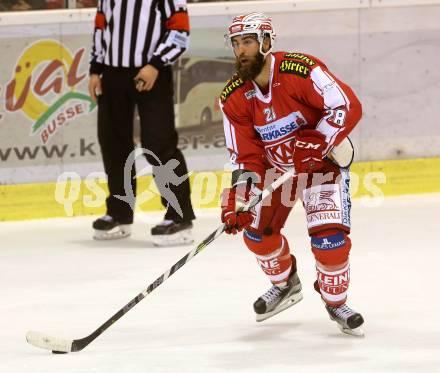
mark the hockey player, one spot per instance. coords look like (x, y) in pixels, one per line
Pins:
(284, 110)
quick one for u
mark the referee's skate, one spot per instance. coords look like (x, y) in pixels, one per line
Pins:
(170, 233)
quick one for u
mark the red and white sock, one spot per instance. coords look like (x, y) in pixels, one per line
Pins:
(333, 283)
(273, 256)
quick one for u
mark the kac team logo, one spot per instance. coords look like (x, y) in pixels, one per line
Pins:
(43, 87)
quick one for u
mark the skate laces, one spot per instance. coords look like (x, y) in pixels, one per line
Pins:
(272, 294)
(343, 312)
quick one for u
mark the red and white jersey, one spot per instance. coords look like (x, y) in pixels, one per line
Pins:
(302, 93)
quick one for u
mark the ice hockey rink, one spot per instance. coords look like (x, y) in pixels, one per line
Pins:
(56, 279)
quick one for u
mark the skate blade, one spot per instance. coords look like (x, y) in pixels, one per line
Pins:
(288, 303)
(176, 239)
(118, 232)
(356, 332)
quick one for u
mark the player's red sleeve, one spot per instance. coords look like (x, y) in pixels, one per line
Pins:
(341, 109)
(245, 148)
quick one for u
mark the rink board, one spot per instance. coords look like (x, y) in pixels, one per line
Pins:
(46, 132)
(87, 197)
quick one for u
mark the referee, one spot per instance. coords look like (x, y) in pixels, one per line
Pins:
(134, 44)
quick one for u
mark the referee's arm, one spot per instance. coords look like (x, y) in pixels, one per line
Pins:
(97, 53)
(176, 38)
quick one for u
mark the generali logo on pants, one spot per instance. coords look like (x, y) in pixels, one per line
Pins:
(323, 205)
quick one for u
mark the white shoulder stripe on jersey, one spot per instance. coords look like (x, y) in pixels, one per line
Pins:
(334, 97)
(328, 88)
(231, 142)
(341, 91)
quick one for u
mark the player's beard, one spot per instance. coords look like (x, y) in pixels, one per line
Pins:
(251, 70)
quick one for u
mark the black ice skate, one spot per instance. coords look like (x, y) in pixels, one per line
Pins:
(107, 228)
(348, 320)
(277, 298)
(169, 233)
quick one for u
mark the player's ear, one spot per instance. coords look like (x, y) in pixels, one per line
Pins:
(266, 44)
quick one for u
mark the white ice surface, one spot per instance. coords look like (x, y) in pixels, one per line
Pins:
(55, 278)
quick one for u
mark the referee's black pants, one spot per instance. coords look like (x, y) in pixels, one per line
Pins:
(116, 108)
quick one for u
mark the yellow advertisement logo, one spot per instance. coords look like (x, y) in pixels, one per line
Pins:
(43, 87)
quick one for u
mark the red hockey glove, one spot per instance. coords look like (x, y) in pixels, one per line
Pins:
(307, 151)
(231, 201)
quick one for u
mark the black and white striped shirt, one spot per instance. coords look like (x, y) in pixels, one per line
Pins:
(133, 33)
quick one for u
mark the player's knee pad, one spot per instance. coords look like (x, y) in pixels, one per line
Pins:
(261, 244)
(331, 249)
(272, 253)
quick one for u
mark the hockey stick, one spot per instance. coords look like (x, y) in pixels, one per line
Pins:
(59, 345)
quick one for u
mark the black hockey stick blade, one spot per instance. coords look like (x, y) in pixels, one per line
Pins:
(60, 345)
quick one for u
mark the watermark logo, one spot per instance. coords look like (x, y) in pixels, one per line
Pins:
(323, 202)
(164, 177)
(43, 87)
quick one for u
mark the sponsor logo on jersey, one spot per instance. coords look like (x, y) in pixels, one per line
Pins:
(250, 94)
(329, 242)
(281, 127)
(296, 68)
(278, 137)
(301, 57)
(231, 86)
(277, 133)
